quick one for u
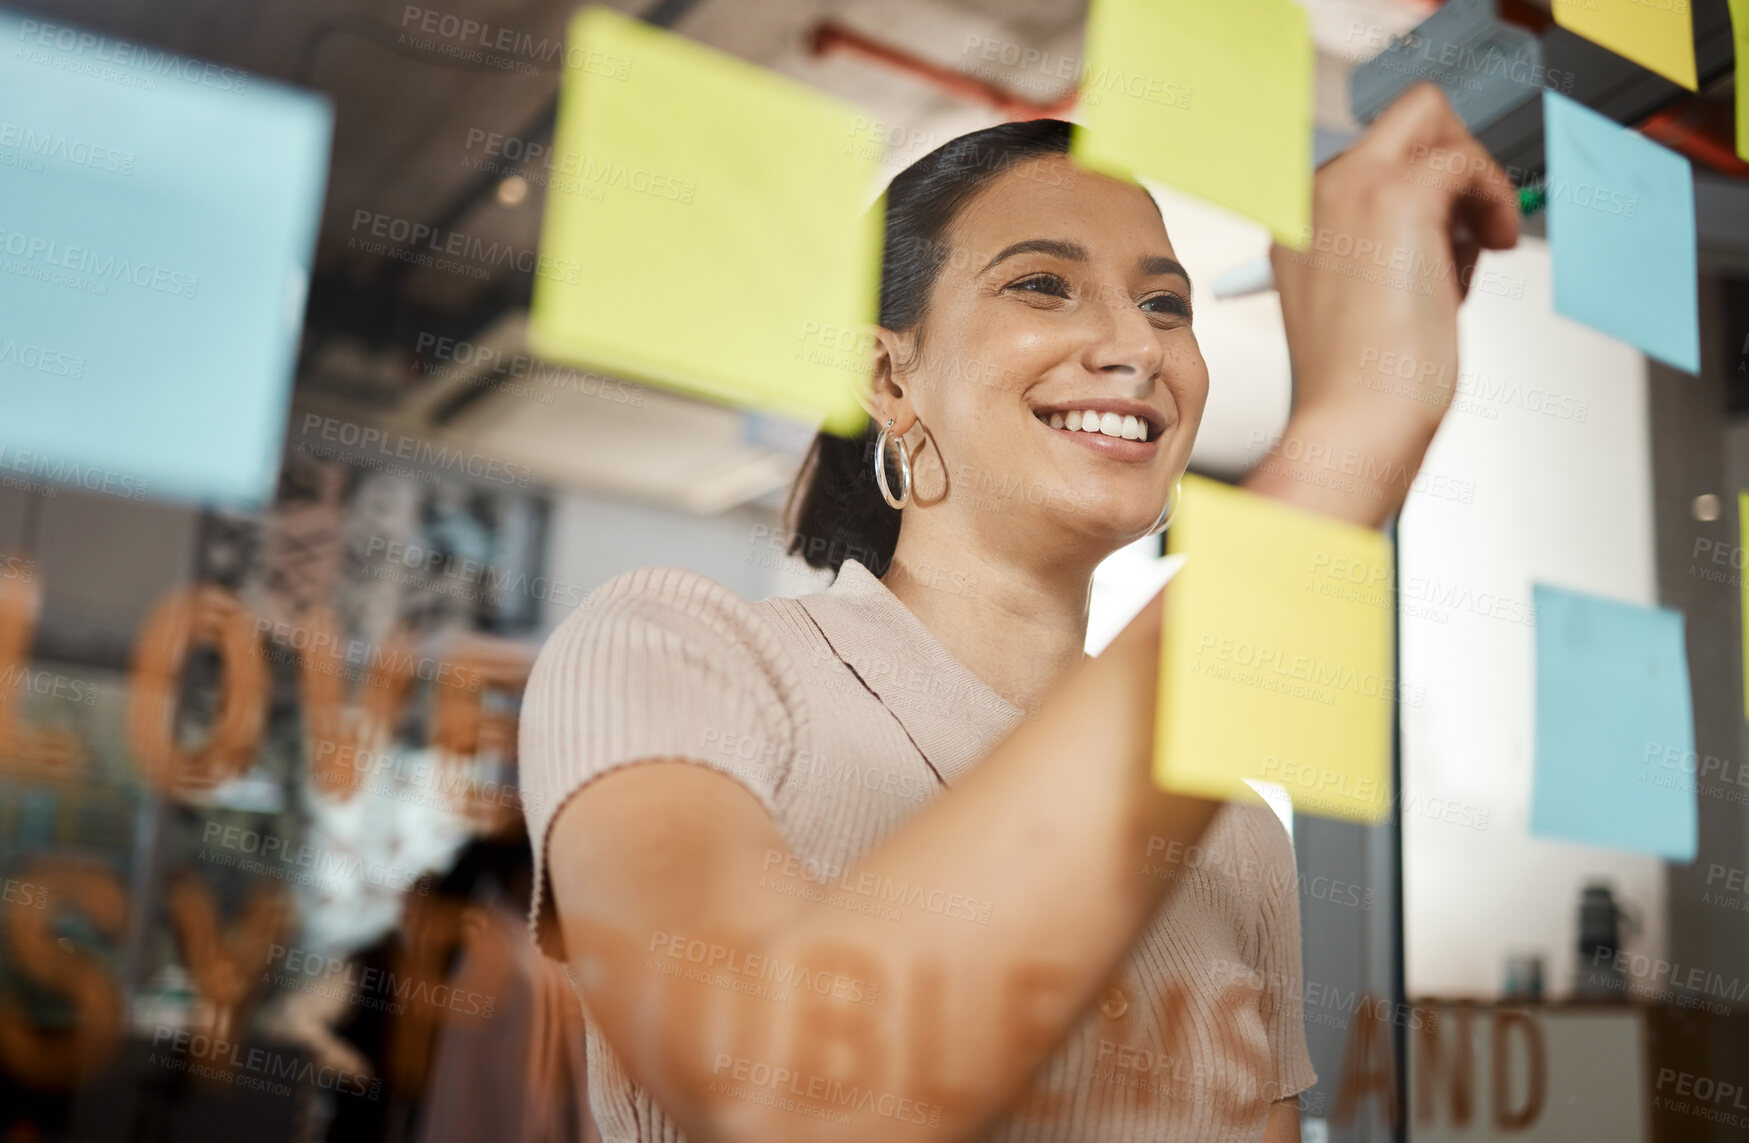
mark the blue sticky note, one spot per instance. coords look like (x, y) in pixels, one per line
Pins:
(1622, 234)
(1615, 761)
(158, 219)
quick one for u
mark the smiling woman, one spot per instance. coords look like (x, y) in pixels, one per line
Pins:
(942, 215)
(887, 862)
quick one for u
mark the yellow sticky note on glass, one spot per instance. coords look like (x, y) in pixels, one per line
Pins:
(1275, 660)
(1213, 97)
(1740, 33)
(1658, 37)
(706, 227)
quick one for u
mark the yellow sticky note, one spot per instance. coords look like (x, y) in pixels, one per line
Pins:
(1740, 33)
(1743, 587)
(1658, 37)
(1211, 96)
(706, 227)
(1275, 661)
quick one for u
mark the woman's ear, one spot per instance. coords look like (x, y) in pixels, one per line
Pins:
(888, 394)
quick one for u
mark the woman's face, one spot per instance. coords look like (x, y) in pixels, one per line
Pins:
(1062, 296)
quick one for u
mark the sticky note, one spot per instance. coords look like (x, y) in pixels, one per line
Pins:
(158, 221)
(1658, 36)
(1615, 758)
(1620, 205)
(1740, 36)
(1275, 660)
(706, 227)
(1212, 98)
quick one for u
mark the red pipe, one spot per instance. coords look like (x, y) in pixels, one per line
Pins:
(1702, 129)
(830, 36)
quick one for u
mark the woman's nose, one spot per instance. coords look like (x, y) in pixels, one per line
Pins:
(1126, 346)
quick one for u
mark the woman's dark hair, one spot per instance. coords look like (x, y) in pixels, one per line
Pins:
(836, 506)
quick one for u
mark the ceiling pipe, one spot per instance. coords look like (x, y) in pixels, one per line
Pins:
(830, 36)
(1701, 129)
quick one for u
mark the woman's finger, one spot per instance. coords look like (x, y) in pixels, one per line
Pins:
(1421, 129)
(1420, 116)
(1482, 196)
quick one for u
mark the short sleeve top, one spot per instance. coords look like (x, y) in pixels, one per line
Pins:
(842, 714)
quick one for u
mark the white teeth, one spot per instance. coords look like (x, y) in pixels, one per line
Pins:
(1119, 425)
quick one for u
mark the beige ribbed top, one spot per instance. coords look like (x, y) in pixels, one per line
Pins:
(842, 714)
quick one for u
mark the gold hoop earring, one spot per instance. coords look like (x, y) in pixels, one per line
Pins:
(1169, 511)
(904, 496)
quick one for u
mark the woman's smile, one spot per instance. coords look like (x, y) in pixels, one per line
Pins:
(1117, 429)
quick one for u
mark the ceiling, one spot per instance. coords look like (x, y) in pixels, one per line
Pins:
(426, 135)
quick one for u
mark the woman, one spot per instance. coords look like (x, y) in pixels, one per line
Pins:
(886, 863)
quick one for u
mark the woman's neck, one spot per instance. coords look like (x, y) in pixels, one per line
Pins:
(1018, 627)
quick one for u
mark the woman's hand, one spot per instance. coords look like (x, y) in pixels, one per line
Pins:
(1398, 222)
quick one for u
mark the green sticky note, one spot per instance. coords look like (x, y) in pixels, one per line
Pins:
(1740, 33)
(1275, 657)
(1212, 98)
(706, 227)
(1659, 36)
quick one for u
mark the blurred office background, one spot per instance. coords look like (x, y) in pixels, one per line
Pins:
(445, 499)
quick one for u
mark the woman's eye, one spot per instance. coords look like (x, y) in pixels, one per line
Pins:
(1043, 284)
(1167, 304)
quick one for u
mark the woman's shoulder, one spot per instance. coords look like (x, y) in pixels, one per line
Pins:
(674, 605)
(662, 586)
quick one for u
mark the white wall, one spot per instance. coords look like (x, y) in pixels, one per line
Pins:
(593, 540)
(1554, 500)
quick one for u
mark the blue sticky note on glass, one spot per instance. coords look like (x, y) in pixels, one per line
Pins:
(158, 219)
(1615, 761)
(1622, 233)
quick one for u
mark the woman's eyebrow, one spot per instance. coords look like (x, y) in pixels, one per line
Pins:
(1056, 247)
(1152, 264)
